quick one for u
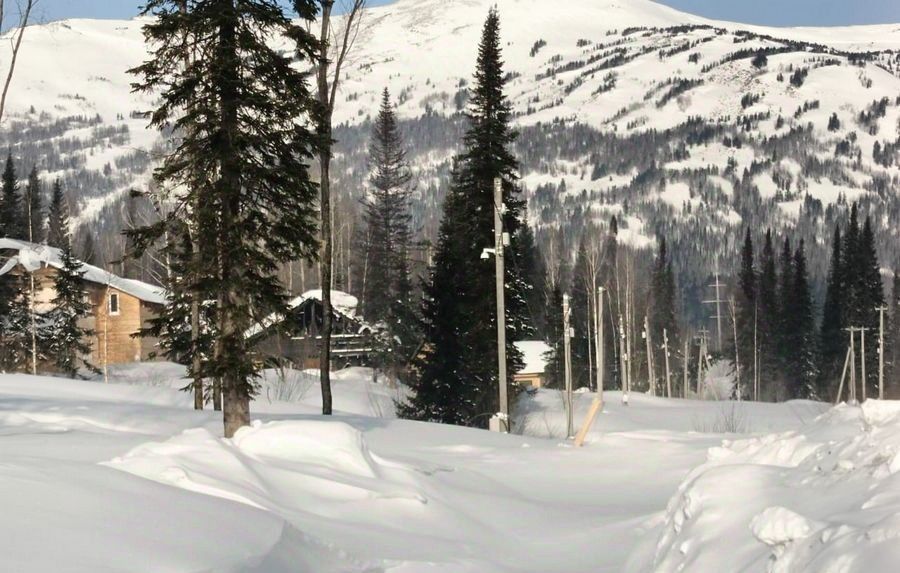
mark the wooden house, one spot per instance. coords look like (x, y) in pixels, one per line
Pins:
(120, 307)
(295, 339)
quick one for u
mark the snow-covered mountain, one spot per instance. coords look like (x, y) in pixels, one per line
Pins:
(676, 123)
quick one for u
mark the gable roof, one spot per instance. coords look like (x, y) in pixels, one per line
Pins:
(341, 303)
(32, 257)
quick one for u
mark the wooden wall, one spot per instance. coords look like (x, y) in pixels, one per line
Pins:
(119, 328)
(114, 333)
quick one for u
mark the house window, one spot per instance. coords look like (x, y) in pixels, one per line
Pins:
(113, 303)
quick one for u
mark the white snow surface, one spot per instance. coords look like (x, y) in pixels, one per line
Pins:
(823, 498)
(126, 477)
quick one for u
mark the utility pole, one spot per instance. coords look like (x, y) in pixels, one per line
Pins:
(651, 378)
(601, 359)
(499, 244)
(852, 394)
(668, 372)
(626, 383)
(881, 310)
(756, 352)
(700, 358)
(843, 378)
(737, 357)
(567, 336)
(718, 302)
(863, 360)
(597, 403)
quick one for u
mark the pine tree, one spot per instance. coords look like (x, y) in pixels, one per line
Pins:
(527, 258)
(662, 301)
(851, 269)
(555, 370)
(58, 219)
(172, 326)
(15, 314)
(785, 322)
(583, 281)
(747, 309)
(833, 339)
(11, 221)
(34, 208)
(869, 297)
(67, 341)
(458, 381)
(242, 160)
(386, 216)
(801, 334)
(769, 319)
(609, 270)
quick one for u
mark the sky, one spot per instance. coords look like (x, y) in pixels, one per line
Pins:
(765, 12)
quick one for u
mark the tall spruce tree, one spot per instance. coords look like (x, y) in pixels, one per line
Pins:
(58, 218)
(869, 297)
(67, 341)
(769, 318)
(387, 282)
(386, 216)
(801, 361)
(662, 302)
(851, 269)
(15, 315)
(34, 208)
(531, 265)
(458, 372)
(833, 339)
(747, 306)
(893, 338)
(244, 112)
(12, 224)
(785, 321)
(584, 277)
(555, 369)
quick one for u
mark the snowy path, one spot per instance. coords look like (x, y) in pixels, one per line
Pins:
(361, 493)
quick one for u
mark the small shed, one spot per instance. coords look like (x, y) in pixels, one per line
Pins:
(534, 354)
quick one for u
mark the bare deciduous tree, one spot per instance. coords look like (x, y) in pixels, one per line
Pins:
(336, 39)
(15, 40)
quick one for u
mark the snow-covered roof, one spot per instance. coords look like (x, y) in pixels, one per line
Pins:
(342, 303)
(32, 257)
(533, 352)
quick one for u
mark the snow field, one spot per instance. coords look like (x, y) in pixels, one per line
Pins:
(126, 477)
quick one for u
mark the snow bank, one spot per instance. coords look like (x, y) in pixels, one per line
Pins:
(824, 499)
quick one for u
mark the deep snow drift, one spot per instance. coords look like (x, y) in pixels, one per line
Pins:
(126, 477)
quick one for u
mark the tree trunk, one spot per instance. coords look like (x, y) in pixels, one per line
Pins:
(232, 302)
(237, 406)
(327, 247)
(325, 206)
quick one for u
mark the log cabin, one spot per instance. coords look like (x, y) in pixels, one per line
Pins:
(120, 307)
(295, 340)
